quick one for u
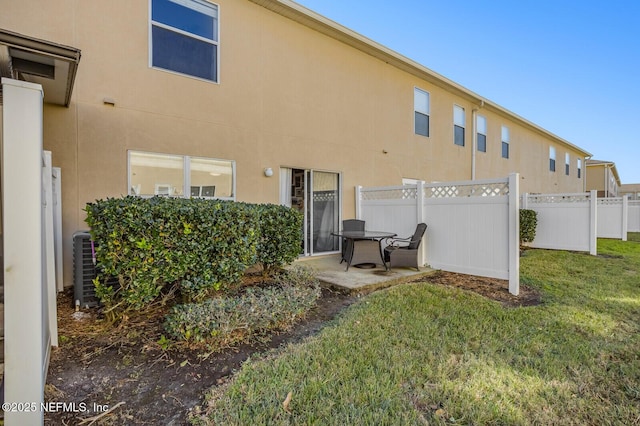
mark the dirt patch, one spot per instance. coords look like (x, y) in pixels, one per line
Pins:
(490, 288)
(93, 370)
(125, 376)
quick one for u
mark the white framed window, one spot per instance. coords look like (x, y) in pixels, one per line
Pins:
(552, 159)
(579, 167)
(183, 37)
(421, 107)
(458, 125)
(180, 176)
(567, 161)
(506, 139)
(481, 129)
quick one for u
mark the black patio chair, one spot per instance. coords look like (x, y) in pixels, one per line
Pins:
(404, 251)
(350, 225)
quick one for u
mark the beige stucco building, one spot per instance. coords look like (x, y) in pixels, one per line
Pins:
(603, 177)
(263, 101)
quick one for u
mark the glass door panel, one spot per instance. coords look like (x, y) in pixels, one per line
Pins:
(325, 211)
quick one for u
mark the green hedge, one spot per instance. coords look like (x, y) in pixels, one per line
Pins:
(198, 245)
(280, 236)
(224, 321)
(528, 224)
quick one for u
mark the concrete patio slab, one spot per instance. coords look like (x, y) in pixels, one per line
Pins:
(333, 274)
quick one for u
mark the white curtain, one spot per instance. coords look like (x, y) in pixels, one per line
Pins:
(285, 186)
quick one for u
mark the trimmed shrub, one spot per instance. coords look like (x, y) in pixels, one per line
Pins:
(225, 321)
(200, 245)
(280, 236)
(528, 224)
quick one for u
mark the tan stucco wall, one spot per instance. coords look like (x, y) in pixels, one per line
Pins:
(288, 96)
(596, 177)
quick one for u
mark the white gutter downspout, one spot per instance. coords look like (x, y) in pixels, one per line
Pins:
(606, 181)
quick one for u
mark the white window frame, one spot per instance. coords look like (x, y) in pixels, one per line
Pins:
(215, 42)
(552, 157)
(457, 123)
(481, 119)
(579, 167)
(567, 164)
(417, 90)
(505, 137)
(186, 169)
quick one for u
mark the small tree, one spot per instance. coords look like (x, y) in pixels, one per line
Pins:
(528, 224)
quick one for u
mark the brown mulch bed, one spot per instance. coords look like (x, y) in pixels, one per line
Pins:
(127, 371)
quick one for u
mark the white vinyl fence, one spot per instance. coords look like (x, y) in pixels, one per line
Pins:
(565, 221)
(473, 226)
(633, 224)
(612, 217)
(29, 267)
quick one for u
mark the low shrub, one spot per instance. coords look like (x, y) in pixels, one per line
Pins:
(224, 321)
(528, 225)
(199, 245)
(280, 236)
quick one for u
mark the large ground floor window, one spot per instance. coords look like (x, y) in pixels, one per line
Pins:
(180, 176)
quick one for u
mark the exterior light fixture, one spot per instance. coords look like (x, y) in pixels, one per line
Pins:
(268, 172)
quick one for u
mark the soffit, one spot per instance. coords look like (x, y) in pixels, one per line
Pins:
(49, 64)
(317, 22)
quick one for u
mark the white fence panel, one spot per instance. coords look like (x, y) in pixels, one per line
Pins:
(565, 221)
(26, 333)
(612, 218)
(469, 235)
(472, 225)
(634, 216)
(392, 209)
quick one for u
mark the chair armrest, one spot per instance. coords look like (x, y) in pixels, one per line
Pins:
(396, 242)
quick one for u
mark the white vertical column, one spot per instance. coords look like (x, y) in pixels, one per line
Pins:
(625, 216)
(57, 225)
(359, 202)
(421, 218)
(593, 230)
(23, 260)
(514, 233)
(50, 248)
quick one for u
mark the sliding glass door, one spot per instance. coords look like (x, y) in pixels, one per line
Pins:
(316, 194)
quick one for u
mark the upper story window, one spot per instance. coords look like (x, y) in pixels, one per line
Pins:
(458, 125)
(579, 167)
(552, 159)
(421, 106)
(481, 125)
(505, 141)
(567, 160)
(180, 176)
(184, 37)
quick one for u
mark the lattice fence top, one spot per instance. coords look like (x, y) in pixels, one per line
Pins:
(408, 192)
(609, 201)
(324, 196)
(558, 198)
(467, 190)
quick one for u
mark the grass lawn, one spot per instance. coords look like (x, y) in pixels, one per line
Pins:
(427, 354)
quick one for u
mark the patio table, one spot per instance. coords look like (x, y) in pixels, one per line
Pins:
(364, 247)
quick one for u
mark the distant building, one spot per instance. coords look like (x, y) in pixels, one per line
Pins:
(603, 177)
(630, 189)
